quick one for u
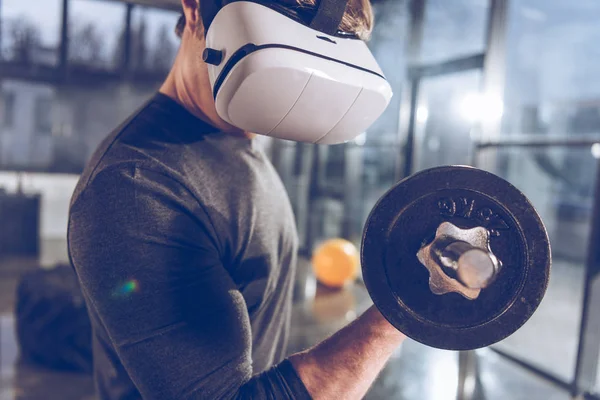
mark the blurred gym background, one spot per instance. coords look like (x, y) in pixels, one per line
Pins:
(512, 86)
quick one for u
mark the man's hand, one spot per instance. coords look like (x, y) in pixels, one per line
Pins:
(345, 365)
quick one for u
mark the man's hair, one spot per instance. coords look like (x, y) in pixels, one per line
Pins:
(358, 18)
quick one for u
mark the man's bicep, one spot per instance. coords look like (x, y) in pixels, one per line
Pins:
(150, 266)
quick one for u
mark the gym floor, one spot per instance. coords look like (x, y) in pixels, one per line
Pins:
(415, 372)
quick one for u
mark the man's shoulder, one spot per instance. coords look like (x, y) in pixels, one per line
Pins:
(158, 134)
(111, 152)
(144, 141)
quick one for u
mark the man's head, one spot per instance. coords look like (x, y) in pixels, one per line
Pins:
(357, 20)
(188, 81)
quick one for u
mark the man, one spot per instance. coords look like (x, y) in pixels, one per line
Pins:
(185, 245)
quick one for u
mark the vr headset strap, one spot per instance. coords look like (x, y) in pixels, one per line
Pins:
(208, 11)
(329, 16)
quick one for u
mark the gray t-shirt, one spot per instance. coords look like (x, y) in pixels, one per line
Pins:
(184, 242)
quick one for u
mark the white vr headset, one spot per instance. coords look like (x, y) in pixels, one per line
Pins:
(282, 71)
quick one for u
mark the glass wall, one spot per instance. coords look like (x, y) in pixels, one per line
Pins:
(553, 88)
(553, 83)
(49, 126)
(154, 40)
(95, 39)
(453, 29)
(446, 112)
(30, 31)
(341, 183)
(550, 338)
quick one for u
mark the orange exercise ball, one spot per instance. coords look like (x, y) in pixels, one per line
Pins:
(335, 262)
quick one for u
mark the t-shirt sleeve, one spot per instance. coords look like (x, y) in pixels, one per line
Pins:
(149, 263)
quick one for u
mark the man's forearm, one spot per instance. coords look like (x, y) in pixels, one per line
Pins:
(345, 365)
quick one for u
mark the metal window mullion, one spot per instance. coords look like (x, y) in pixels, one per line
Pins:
(64, 39)
(127, 45)
(494, 73)
(448, 67)
(409, 151)
(1, 52)
(589, 335)
(413, 46)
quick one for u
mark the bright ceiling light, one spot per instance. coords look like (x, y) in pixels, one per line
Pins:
(475, 107)
(422, 114)
(361, 139)
(596, 150)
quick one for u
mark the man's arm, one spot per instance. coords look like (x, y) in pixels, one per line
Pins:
(182, 330)
(345, 365)
(149, 263)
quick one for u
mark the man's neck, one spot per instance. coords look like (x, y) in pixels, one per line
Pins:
(198, 102)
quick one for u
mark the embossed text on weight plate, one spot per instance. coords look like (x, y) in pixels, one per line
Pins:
(463, 207)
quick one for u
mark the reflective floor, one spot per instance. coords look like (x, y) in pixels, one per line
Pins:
(415, 372)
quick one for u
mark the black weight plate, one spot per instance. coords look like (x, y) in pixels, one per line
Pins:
(406, 218)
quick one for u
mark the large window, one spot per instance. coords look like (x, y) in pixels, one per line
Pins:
(30, 30)
(453, 29)
(447, 109)
(154, 40)
(51, 119)
(95, 33)
(553, 79)
(553, 89)
(563, 197)
(352, 176)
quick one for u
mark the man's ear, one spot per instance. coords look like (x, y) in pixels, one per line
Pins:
(192, 14)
